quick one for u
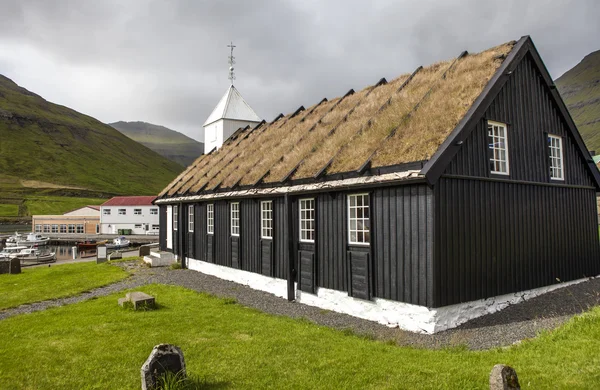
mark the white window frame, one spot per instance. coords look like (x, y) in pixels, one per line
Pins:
(266, 219)
(54, 228)
(38, 228)
(175, 217)
(353, 216)
(153, 211)
(79, 228)
(71, 228)
(122, 211)
(155, 227)
(556, 155)
(137, 211)
(235, 218)
(494, 140)
(210, 218)
(46, 228)
(306, 219)
(137, 226)
(191, 218)
(106, 212)
(62, 228)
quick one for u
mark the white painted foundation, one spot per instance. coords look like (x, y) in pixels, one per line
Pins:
(409, 317)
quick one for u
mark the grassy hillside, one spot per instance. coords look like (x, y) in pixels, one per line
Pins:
(46, 142)
(166, 142)
(580, 89)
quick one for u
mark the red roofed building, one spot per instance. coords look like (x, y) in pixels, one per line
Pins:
(129, 215)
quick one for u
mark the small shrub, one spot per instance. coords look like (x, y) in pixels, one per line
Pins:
(176, 266)
(229, 301)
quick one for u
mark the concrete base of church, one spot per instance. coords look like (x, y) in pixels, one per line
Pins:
(409, 317)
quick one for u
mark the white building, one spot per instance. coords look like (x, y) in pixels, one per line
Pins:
(135, 213)
(230, 114)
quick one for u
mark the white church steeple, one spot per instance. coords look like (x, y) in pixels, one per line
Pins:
(231, 113)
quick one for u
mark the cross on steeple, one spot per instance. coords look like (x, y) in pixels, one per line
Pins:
(231, 63)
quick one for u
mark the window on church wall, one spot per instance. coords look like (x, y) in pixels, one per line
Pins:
(498, 148)
(556, 157)
(235, 219)
(307, 220)
(359, 223)
(266, 212)
(210, 218)
(190, 218)
(175, 217)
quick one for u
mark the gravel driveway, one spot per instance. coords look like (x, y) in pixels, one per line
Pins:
(515, 323)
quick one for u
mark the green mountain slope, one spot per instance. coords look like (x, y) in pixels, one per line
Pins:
(580, 89)
(166, 142)
(46, 142)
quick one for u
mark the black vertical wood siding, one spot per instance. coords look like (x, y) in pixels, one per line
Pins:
(331, 226)
(250, 235)
(162, 231)
(280, 240)
(496, 238)
(525, 105)
(222, 236)
(200, 231)
(402, 242)
(266, 257)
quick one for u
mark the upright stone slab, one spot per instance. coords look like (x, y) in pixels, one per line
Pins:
(504, 378)
(15, 266)
(163, 358)
(4, 266)
(101, 254)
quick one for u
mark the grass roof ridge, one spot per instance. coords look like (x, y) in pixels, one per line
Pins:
(222, 153)
(369, 122)
(409, 113)
(350, 123)
(231, 151)
(421, 135)
(179, 177)
(382, 122)
(315, 145)
(184, 176)
(333, 107)
(273, 152)
(251, 151)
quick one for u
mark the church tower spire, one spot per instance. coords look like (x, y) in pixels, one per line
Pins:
(231, 63)
(231, 113)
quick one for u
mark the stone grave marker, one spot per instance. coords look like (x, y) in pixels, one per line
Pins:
(504, 378)
(163, 358)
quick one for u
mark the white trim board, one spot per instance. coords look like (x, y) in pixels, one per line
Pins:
(406, 316)
(342, 184)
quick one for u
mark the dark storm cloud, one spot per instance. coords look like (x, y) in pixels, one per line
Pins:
(166, 61)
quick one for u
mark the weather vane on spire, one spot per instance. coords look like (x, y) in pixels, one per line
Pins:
(231, 63)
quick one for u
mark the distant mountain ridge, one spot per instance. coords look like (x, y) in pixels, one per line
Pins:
(169, 143)
(580, 89)
(47, 142)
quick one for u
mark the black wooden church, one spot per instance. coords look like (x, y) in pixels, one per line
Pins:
(463, 180)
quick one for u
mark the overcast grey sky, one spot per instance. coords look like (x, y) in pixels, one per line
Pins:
(165, 62)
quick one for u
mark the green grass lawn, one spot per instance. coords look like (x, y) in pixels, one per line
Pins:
(45, 205)
(9, 210)
(57, 281)
(97, 344)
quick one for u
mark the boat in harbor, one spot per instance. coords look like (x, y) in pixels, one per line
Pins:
(11, 251)
(35, 255)
(118, 243)
(12, 240)
(29, 240)
(89, 245)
